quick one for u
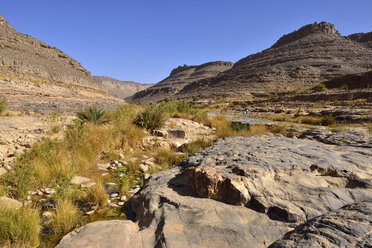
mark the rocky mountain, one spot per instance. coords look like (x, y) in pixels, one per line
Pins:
(310, 55)
(363, 38)
(121, 89)
(179, 78)
(313, 54)
(37, 77)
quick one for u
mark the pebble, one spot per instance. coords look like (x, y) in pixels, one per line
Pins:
(87, 185)
(114, 195)
(123, 198)
(143, 168)
(104, 174)
(146, 176)
(113, 205)
(121, 203)
(47, 214)
(90, 212)
(111, 184)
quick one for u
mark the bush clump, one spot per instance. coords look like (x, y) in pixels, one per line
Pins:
(152, 118)
(327, 120)
(93, 114)
(19, 227)
(3, 103)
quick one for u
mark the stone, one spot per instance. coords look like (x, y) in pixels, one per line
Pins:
(146, 176)
(47, 214)
(113, 234)
(49, 191)
(176, 132)
(80, 180)
(113, 205)
(349, 226)
(90, 212)
(123, 198)
(87, 185)
(3, 171)
(121, 203)
(6, 202)
(113, 195)
(143, 168)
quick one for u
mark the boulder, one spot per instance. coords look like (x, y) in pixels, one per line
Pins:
(6, 202)
(113, 234)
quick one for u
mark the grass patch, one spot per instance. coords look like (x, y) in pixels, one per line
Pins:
(65, 218)
(19, 227)
(97, 194)
(3, 103)
(195, 146)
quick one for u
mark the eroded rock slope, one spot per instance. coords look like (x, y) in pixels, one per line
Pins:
(179, 78)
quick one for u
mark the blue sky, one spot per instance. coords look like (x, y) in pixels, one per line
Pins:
(143, 40)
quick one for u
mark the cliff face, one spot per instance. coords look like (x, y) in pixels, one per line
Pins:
(315, 53)
(121, 89)
(179, 78)
(30, 57)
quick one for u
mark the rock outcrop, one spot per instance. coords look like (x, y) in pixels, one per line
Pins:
(349, 226)
(249, 191)
(179, 78)
(121, 89)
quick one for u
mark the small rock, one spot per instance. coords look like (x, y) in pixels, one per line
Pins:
(9, 203)
(110, 184)
(104, 174)
(123, 198)
(87, 185)
(80, 180)
(146, 176)
(113, 195)
(39, 192)
(49, 191)
(121, 203)
(132, 160)
(3, 171)
(143, 168)
(108, 201)
(47, 214)
(90, 212)
(113, 205)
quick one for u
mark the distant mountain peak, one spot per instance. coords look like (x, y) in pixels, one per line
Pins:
(322, 27)
(4, 22)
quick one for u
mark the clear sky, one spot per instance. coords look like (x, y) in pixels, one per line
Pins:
(143, 40)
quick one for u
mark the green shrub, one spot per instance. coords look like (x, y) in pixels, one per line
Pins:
(151, 118)
(22, 178)
(19, 227)
(3, 103)
(176, 108)
(327, 120)
(93, 114)
(195, 146)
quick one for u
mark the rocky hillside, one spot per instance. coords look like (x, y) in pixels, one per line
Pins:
(363, 38)
(121, 89)
(179, 78)
(315, 53)
(37, 77)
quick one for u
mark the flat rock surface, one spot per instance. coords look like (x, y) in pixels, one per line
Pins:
(113, 234)
(350, 226)
(248, 192)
